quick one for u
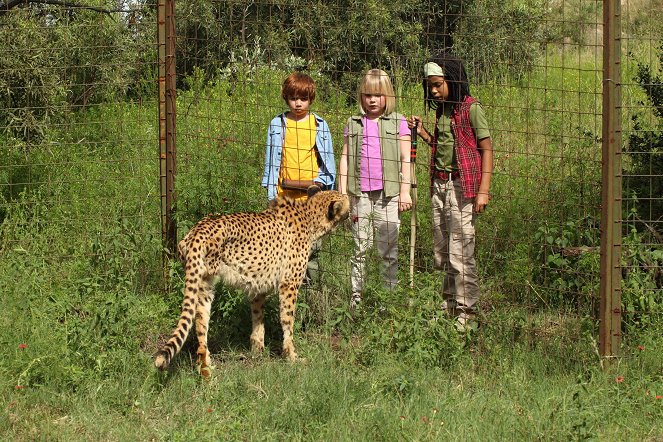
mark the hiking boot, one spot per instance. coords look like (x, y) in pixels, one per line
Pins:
(355, 300)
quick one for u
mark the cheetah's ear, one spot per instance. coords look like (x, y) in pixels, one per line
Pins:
(332, 210)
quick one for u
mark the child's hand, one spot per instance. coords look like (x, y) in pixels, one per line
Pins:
(415, 120)
(404, 202)
(480, 202)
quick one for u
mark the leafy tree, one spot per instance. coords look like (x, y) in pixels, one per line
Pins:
(56, 58)
(30, 89)
(498, 38)
(344, 37)
(338, 38)
(59, 56)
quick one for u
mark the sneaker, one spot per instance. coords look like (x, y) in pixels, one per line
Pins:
(355, 300)
(449, 306)
(466, 322)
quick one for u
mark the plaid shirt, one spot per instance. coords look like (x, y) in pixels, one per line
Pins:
(468, 156)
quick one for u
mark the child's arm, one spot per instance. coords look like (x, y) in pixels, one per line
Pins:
(482, 198)
(327, 165)
(404, 199)
(343, 168)
(298, 184)
(268, 179)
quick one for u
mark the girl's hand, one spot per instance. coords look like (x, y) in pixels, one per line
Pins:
(416, 120)
(480, 202)
(404, 202)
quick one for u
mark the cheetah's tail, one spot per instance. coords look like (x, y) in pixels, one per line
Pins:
(181, 331)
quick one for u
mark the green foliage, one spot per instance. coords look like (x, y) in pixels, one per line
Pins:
(645, 146)
(642, 279)
(57, 60)
(224, 161)
(83, 306)
(119, 257)
(402, 326)
(568, 259)
(499, 38)
(373, 34)
(18, 174)
(376, 34)
(392, 35)
(31, 93)
(573, 22)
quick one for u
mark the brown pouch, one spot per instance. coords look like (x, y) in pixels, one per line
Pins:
(302, 185)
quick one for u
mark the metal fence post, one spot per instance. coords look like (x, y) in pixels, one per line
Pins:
(167, 96)
(611, 189)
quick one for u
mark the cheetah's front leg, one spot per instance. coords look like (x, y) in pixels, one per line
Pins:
(287, 300)
(258, 322)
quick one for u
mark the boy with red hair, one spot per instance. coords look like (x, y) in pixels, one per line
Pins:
(299, 151)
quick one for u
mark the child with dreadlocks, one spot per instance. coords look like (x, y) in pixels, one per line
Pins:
(460, 172)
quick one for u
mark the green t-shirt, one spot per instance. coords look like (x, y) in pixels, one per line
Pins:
(445, 159)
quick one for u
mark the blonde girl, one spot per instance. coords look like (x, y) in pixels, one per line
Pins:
(375, 172)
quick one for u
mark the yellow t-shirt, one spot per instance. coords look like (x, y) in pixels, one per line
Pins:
(298, 161)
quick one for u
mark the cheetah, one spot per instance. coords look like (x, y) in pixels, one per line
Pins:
(259, 253)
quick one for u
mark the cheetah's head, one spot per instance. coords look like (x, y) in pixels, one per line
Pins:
(330, 208)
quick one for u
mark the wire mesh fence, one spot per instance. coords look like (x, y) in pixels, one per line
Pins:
(78, 118)
(642, 214)
(83, 125)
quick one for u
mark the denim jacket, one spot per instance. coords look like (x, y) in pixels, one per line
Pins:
(274, 153)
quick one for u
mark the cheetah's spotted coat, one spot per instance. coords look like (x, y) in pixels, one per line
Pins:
(257, 252)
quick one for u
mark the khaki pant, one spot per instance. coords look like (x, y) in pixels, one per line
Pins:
(312, 276)
(453, 242)
(374, 215)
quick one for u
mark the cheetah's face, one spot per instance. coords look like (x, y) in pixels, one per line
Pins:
(332, 206)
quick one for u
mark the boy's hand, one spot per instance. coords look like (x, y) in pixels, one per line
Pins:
(404, 202)
(480, 202)
(297, 184)
(313, 189)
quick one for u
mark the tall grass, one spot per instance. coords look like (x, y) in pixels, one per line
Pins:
(84, 308)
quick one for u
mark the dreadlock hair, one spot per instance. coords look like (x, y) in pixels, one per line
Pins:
(455, 77)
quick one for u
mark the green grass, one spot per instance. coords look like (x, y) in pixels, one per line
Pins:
(485, 395)
(84, 305)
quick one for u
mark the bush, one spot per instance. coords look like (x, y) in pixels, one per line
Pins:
(498, 39)
(403, 326)
(642, 279)
(52, 64)
(645, 148)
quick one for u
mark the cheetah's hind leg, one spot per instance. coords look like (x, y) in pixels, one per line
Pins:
(203, 311)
